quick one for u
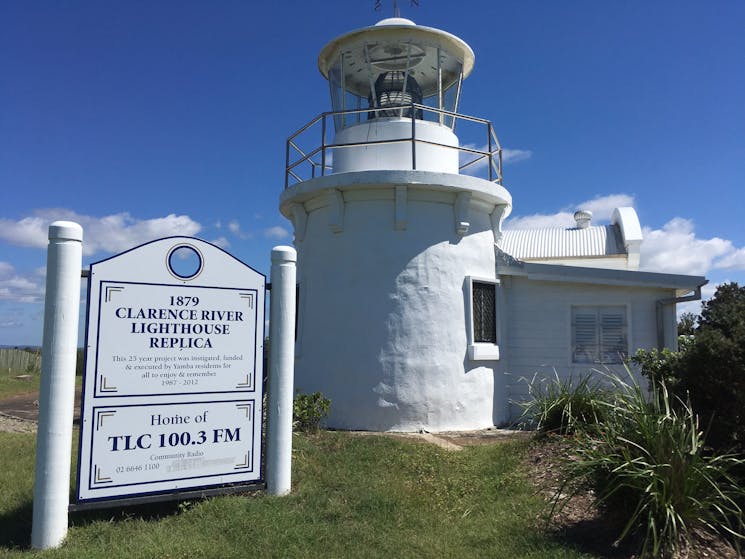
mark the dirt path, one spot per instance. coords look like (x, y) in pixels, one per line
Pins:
(20, 413)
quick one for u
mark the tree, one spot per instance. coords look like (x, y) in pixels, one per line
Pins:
(709, 369)
(725, 311)
(687, 324)
(712, 370)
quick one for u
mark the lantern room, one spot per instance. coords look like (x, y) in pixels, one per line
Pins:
(392, 64)
(392, 81)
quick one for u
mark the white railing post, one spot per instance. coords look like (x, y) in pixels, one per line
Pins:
(57, 392)
(281, 371)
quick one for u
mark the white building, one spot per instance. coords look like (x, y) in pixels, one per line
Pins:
(416, 311)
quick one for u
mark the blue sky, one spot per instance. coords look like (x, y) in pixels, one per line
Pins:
(143, 119)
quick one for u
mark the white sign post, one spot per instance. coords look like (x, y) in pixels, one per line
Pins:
(172, 395)
(281, 374)
(57, 395)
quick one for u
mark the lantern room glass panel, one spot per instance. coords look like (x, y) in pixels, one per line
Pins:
(383, 77)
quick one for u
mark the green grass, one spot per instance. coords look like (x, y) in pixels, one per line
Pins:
(353, 496)
(12, 386)
(16, 363)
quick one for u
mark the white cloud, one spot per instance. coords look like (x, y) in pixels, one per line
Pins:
(601, 207)
(515, 155)
(111, 233)
(6, 270)
(234, 227)
(676, 249)
(509, 156)
(734, 260)
(222, 242)
(28, 232)
(14, 287)
(277, 232)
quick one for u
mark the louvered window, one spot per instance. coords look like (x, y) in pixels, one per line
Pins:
(484, 312)
(599, 335)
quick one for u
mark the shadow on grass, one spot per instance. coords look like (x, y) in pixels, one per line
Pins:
(594, 536)
(16, 527)
(146, 511)
(16, 524)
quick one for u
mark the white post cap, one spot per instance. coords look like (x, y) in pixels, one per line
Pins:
(283, 254)
(65, 230)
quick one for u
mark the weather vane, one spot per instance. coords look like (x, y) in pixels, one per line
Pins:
(396, 10)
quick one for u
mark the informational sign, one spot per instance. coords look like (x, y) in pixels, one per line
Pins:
(172, 393)
(178, 339)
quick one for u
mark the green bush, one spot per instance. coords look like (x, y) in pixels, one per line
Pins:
(713, 368)
(687, 324)
(709, 369)
(663, 366)
(309, 410)
(563, 406)
(646, 463)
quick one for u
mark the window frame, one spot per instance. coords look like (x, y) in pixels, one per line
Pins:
(598, 354)
(481, 350)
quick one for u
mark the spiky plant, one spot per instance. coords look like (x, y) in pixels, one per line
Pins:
(563, 405)
(647, 462)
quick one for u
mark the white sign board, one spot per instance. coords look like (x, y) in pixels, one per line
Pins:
(172, 393)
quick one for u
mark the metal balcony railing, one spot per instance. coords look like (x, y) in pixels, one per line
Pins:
(304, 163)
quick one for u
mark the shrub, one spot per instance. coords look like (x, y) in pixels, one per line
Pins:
(714, 375)
(308, 410)
(717, 388)
(646, 463)
(687, 324)
(713, 371)
(663, 366)
(710, 368)
(561, 405)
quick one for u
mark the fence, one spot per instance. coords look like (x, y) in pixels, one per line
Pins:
(19, 360)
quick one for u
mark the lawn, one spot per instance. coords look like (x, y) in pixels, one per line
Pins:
(11, 385)
(353, 496)
(20, 373)
(14, 383)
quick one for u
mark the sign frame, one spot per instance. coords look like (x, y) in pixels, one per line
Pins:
(173, 389)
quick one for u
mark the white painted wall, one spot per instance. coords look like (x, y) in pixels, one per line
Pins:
(397, 155)
(627, 220)
(382, 328)
(538, 333)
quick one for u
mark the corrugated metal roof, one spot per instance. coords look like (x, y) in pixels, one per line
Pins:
(562, 243)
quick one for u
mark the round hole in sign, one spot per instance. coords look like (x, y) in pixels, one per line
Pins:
(185, 262)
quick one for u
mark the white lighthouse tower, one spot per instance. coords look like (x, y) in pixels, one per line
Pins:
(395, 223)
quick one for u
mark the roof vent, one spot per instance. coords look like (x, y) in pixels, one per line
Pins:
(583, 218)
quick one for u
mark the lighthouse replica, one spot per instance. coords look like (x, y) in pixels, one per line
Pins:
(395, 224)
